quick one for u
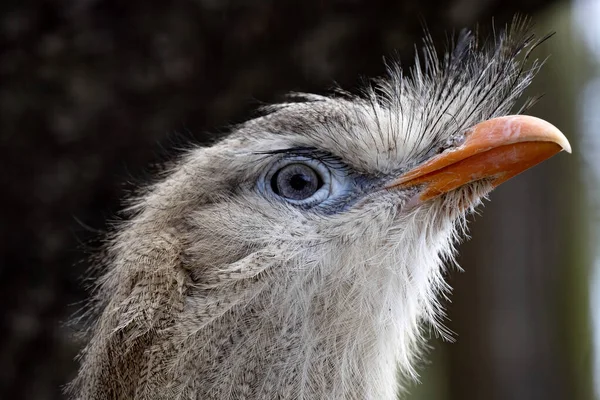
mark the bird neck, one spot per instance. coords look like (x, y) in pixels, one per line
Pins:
(320, 334)
(335, 324)
(330, 343)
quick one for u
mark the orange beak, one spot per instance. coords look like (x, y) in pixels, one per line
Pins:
(494, 150)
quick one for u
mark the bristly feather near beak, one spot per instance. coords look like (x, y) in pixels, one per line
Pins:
(406, 117)
(475, 80)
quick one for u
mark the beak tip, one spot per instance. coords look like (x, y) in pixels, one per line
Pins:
(549, 132)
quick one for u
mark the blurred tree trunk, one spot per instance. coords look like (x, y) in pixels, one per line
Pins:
(521, 309)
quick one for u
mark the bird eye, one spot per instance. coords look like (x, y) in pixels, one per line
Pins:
(302, 181)
(296, 182)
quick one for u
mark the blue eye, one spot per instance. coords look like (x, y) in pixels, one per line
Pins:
(302, 181)
(296, 182)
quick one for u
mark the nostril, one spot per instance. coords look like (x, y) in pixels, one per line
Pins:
(452, 142)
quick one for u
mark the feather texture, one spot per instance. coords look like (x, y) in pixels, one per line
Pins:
(214, 291)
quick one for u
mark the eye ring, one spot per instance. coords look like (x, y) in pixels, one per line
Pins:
(299, 181)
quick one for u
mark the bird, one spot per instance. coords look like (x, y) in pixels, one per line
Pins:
(303, 255)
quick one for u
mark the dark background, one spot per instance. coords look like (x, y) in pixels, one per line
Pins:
(93, 93)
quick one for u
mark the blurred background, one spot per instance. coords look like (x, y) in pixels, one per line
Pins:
(95, 93)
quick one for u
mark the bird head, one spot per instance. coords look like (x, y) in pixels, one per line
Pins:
(302, 255)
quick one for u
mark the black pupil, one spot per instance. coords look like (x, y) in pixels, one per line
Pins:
(296, 182)
(299, 182)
